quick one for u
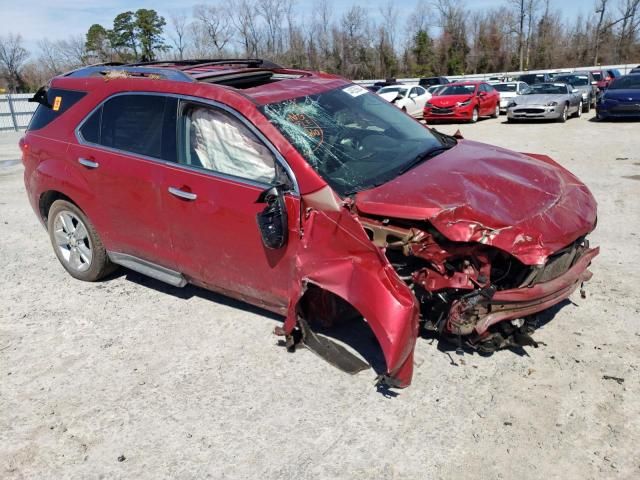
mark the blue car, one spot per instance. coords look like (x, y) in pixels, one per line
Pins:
(621, 99)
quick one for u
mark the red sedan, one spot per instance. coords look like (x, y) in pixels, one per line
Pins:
(463, 101)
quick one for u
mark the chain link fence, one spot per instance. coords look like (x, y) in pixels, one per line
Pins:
(15, 111)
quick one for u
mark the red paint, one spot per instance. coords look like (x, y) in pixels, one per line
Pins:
(527, 206)
(484, 102)
(474, 194)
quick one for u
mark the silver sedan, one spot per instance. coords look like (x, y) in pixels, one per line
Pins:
(546, 101)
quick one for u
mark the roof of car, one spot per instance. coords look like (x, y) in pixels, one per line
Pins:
(261, 80)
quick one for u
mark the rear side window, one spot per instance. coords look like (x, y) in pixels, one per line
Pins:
(53, 103)
(141, 124)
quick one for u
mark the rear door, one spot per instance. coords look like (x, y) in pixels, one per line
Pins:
(210, 198)
(120, 150)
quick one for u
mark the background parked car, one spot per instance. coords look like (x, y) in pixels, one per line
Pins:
(584, 82)
(604, 77)
(546, 101)
(433, 90)
(621, 99)
(410, 99)
(463, 101)
(508, 91)
(430, 81)
(533, 78)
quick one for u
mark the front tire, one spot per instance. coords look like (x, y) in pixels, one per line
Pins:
(76, 242)
(586, 108)
(496, 114)
(475, 115)
(565, 113)
(578, 113)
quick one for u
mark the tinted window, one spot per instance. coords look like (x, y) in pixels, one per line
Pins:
(142, 124)
(57, 102)
(458, 90)
(215, 140)
(90, 130)
(626, 82)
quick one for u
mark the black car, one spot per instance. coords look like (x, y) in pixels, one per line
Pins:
(431, 81)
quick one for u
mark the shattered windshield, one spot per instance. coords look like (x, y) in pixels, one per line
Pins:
(354, 139)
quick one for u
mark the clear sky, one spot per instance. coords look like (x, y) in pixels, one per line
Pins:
(57, 19)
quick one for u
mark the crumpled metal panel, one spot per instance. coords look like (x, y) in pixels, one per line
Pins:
(336, 255)
(526, 205)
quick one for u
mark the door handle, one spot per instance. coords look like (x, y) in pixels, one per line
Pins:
(88, 163)
(182, 194)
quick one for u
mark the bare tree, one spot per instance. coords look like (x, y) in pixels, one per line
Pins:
(628, 29)
(601, 9)
(244, 16)
(273, 12)
(215, 22)
(12, 58)
(179, 22)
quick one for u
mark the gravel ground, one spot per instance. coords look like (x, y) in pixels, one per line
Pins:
(129, 378)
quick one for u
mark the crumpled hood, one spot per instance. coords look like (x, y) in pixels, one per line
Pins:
(526, 205)
(448, 100)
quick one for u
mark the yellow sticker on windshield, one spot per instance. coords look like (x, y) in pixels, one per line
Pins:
(56, 103)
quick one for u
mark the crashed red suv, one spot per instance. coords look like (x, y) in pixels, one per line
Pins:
(306, 195)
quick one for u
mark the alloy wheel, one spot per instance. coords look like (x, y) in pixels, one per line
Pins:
(72, 240)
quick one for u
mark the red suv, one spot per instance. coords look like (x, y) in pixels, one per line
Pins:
(463, 101)
(307, 195)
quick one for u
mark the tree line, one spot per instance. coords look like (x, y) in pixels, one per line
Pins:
(436, 37)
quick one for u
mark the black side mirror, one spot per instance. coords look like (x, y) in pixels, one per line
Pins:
(273, 221)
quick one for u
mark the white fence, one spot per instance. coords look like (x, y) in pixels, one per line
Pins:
(624, 69)
(16, 111)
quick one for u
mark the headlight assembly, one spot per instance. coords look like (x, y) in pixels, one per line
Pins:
(552, 104)
(463, 104)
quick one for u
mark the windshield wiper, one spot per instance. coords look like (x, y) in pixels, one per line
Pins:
(423, 157)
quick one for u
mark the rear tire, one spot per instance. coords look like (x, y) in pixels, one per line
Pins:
(496, 114)
(76, 242)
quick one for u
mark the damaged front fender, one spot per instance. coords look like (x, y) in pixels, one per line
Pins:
(336, 255)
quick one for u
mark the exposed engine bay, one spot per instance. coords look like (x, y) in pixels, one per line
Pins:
(464, 289)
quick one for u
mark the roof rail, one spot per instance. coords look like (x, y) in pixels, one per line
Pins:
(205, 62)
(134, 71)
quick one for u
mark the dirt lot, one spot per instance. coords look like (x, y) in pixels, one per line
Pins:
(129, 378)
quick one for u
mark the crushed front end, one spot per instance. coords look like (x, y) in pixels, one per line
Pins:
(476, 293)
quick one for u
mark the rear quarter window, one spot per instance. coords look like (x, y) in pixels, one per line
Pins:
(57, 102)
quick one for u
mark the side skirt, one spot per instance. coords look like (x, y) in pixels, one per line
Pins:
(148, 268)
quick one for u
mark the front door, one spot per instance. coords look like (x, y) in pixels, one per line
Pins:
(209, 199)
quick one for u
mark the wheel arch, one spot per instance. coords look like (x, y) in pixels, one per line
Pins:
(46, 201)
